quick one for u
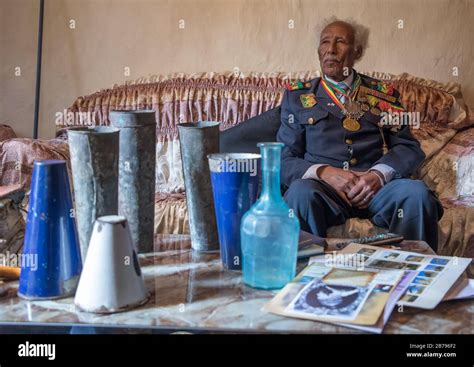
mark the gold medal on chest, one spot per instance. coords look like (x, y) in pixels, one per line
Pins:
(351, 124)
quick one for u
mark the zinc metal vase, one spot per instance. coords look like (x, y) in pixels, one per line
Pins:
(269, 230)
(112, 280)
(94, 161)
(51, 259)
(137, 161)
(197, 141)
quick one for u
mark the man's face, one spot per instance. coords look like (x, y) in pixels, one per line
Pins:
(336, 51)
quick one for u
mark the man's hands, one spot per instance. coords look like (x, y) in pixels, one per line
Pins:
(365, 189)
(357, 188)
(339, 179)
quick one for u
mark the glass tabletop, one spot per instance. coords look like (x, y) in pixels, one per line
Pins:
(191, 293)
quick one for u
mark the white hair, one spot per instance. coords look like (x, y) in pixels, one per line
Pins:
(361, 32)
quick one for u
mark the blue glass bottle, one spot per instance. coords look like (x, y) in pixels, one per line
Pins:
(269, 230)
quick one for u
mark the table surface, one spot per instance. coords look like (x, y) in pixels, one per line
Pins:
(190, 292)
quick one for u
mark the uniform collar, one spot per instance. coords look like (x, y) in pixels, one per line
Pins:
(348, 81)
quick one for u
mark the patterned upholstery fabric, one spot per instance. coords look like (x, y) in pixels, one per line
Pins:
(17, 157)
(171, 214)
(451, 171)
(225, 97)
(6, 132)
(12, 226)
(446, 135)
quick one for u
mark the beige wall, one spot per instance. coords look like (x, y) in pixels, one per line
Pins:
(218, 35)
(18, 39)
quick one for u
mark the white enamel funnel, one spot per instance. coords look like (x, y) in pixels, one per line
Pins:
(111, 279)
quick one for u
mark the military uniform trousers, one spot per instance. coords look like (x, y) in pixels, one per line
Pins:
(403, 206)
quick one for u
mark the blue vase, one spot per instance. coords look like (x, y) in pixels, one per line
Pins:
(51, 259)
(234, 178)
(269, 230)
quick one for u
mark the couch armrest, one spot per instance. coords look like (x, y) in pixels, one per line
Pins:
(456, 229)
(17, 157)
(451, 171)
(6, 132)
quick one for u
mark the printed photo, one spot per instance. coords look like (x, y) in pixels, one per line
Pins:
(427, 274)
(385, 288)
(434, 268)
(321, 299)
(349, 277)
(422, 281)
(411, 266)
(409, 298)
(416, 289)
(384, 264)
(415, 259)
(366, 251)
(390, 255)
(439, 261)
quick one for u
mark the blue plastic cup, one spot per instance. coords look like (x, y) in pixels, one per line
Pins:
(51, 259)
(235, 182)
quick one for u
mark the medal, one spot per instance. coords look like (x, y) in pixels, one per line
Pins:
(375, 111)
(352, 110)
(352, 107)
(351, 124)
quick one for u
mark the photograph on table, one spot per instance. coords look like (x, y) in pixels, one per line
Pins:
(320, 298)
(437, 268)
(414, 258)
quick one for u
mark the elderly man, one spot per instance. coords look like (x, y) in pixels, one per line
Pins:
(339, 160)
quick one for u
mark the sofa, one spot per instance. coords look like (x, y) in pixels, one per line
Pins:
(446, 135)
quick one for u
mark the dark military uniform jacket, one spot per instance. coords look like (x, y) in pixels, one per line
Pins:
(313, 133)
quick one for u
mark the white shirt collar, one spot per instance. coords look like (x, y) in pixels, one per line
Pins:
(348, 81)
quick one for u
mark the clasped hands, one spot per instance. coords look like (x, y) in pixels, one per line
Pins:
(356, 188)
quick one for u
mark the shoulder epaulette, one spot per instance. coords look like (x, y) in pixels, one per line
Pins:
(297, 85)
